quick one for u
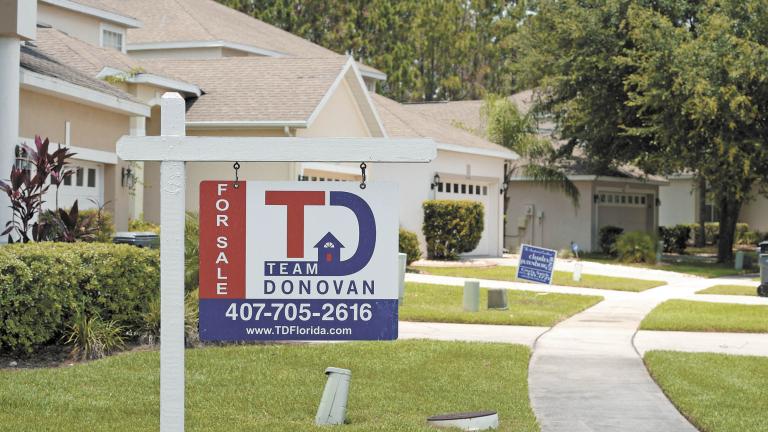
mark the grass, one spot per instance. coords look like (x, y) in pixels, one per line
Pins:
(508, 273)
(716, 392)
(442, 303)
(692, 265)
(395, 387)
(731, 290)
(684, 315)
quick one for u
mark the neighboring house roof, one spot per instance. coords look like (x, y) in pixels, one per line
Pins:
(199, 22)
(467, 115)
(100, 62)
(399, 121)
(97, 9)
(80, 86)
(259, 91)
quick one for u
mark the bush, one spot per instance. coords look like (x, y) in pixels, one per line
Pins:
(711, 232)
(409, 245)
(100, 223)
(45, 286)
(452, 227)
(636, 247)
(191, 252)
(140, 225)
(607, 239)
(675, 238)
(93, 338)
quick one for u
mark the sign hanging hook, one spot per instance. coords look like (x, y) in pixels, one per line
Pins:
(236, 166)
(363, 166)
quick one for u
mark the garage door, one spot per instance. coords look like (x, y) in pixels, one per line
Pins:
(478, 192)
(625, 210)
(86, 185)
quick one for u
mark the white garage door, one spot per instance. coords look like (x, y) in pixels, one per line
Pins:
(85, 185)
(478, 192)
(625, 210)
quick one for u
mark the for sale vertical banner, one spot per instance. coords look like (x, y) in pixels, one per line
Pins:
(222, 240)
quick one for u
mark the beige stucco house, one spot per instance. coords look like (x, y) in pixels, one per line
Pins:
(239, 77)
(681, 202)
(543, 217)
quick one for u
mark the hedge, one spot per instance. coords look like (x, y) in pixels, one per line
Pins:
(452, 227)
(675, 238)
(409, 245)
(44, 285)
(607, 238)
(636, 247)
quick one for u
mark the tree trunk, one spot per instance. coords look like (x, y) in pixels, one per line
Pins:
(729, 215)
(701, 234)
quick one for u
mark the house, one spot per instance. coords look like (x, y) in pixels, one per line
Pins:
(467, 167)
(543, 217)
(240, 77)
(682, 201)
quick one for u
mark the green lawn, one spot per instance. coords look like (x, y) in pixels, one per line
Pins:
(731, 290)
(442, 303)
(692, 265)
(717, 392)
(395, 387)
(507, 273)
(684, 315)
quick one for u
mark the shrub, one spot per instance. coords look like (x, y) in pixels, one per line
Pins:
(452, 227)
(140, 225)
(93, 338)
(191, 252)
(636, 247)
(409, 245)
(675, 238)
(607, 239)
(45, 286)
(100, 223)
(711, 232)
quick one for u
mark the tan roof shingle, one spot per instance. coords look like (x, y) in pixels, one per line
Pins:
(255, 89)
(399, 121)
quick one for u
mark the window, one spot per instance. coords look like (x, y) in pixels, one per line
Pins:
(439, 187)
(622, 199)
(112, 39)
(455, 188)
(79, 176)
(485, 190)
(463, 188)
(68, 180)
(91, 177)
(471, 189)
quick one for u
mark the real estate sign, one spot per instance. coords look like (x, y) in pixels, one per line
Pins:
(536, 264)
(298, 261)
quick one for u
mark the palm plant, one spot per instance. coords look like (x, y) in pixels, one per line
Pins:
(508, 127)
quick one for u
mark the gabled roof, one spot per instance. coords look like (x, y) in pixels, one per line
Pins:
(265, 91)
(186, 23)
(399, 121)
(467, 115)
(98, 62)
(97, 9)
(50, 76)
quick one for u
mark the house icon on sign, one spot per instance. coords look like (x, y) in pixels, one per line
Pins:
(328, 252)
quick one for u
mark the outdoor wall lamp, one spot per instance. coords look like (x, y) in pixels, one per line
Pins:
(658, 202)
(435, 181)
(596, 198)
(127, 178)
(504, 187)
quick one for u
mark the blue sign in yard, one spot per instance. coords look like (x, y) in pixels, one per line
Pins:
(536, 264)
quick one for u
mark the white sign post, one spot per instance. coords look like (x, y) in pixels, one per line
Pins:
(172, 149)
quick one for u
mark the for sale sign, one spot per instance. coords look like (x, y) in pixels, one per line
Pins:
(298, 261)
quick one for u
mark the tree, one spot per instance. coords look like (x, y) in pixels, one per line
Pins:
(702, 95)
(508, 127)
(667, 85)
(430, 50)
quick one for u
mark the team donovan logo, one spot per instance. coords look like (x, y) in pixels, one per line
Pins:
(298, 260)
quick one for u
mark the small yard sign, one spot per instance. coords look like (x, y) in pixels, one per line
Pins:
(536, 264)
(298, 261)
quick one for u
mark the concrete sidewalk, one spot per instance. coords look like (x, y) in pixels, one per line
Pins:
(585, 374)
